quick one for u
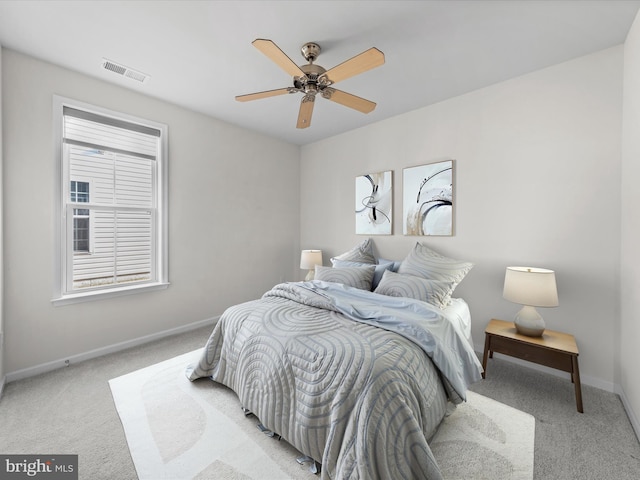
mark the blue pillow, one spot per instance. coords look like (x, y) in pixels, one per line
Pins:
(396, 264)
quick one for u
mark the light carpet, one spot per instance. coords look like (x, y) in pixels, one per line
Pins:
(177, 429)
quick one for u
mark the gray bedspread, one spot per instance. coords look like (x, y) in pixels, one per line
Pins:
(357, 381)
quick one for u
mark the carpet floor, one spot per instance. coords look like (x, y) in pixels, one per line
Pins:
(71, 410)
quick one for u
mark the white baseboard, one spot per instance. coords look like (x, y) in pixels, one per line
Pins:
(630, 413)
(99, 352)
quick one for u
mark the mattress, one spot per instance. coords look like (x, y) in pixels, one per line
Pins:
(460, 316)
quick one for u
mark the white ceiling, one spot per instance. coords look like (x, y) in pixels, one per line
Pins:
(199, 53)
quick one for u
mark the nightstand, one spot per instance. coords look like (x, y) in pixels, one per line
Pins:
(554, 349)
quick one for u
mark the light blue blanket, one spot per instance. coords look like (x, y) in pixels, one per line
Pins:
(420, 322)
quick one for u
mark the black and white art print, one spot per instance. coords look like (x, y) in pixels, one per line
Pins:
(374, 203)
(427, 199)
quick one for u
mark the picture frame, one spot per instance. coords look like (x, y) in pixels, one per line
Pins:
(428, 200)
(374, 203)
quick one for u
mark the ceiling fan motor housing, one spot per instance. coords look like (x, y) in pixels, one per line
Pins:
(312, 81)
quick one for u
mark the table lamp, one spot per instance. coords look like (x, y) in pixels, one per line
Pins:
(530, 287)
(308, 261)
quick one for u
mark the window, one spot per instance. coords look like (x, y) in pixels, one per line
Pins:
(111, 203)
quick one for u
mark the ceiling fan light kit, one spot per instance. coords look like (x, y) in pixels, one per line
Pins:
(311, 79)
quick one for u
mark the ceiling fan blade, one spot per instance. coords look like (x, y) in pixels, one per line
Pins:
(348, 100)
(272, 51)
(259, 95)
(367, 60)
(306, 110)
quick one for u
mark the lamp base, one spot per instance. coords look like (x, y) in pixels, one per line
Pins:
(310, 275)
(529, 322)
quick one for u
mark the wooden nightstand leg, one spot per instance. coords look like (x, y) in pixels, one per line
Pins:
(575, 376)
(487, 342)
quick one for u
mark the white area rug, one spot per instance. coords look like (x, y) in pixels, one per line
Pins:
(485, 439)
(177, 429)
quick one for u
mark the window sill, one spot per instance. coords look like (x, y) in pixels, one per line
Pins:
(105, 294)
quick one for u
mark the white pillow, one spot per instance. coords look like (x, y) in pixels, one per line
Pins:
(426, 263)
(358, 277)
(435, 292)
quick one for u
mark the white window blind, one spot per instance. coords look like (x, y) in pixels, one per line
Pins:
(122, 215)
(89, 129)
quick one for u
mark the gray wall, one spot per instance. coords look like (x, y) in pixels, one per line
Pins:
(629, 376)
(1, 245)
(537, 184)
(233, 219)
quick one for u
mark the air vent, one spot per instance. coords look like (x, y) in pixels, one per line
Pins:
(124, 71)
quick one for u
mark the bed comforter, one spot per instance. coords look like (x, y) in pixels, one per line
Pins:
(355, 380)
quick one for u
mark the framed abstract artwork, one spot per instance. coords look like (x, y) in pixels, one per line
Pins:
(374, 203)
(427, 199)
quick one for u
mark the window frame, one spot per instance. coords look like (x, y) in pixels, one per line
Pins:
(62, 294)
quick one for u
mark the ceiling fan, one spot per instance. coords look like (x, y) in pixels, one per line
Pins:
(312, 79)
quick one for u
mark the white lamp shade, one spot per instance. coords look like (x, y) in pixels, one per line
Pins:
(310, 258)
(531, 286)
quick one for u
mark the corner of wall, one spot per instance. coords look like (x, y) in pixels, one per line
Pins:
(629, 330)
(633, 418)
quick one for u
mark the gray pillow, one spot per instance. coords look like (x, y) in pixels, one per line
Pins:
(435, 292)
(362, 253)
(426, 263)
(358, 277)
(377, 274)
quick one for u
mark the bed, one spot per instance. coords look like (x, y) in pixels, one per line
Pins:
(357, 380)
